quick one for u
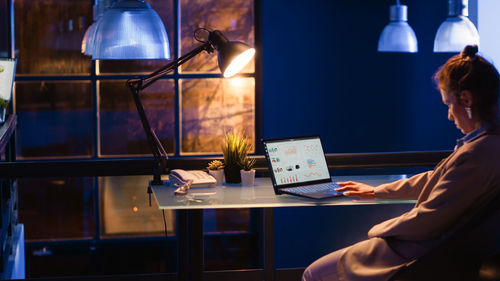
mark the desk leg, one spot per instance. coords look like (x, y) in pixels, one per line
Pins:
(268, 244)
(191, 254)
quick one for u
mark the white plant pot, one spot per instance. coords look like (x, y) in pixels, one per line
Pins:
(218, 175)
(247, 177)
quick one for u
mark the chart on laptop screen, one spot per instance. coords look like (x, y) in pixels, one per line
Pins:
(296, 161)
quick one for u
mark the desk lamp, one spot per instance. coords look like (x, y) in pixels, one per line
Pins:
(232, 57)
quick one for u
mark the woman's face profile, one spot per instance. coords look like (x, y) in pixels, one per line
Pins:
(457, 113)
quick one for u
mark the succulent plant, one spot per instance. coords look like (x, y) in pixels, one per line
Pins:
(4, 103)
(215, 165)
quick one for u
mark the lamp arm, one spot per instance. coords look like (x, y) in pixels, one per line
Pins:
(136, 86)
(157, 148)
(153, 77)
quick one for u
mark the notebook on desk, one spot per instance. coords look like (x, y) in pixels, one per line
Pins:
(297, 166)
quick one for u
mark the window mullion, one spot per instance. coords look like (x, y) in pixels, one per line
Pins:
(177, 98)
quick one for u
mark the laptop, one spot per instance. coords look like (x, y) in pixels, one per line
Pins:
(298, 166)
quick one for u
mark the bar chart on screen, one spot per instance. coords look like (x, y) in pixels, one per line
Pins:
(289, 179)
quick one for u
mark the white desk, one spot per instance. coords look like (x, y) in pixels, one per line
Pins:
(261, 195)
(236, 196)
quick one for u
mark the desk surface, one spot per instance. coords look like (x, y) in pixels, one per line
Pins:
(261, 195)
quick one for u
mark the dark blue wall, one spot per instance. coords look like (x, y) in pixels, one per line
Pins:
(323, 75)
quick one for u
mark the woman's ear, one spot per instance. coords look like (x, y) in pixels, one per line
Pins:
(465, 98)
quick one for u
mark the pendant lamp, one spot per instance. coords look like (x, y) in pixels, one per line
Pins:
(130, 30)
(99, 7)
(88, 40)
(457, 30)
(398, 36)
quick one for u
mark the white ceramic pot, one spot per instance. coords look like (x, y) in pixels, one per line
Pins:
(218, 175)
(247, 177)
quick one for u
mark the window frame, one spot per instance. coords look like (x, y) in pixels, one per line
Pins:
(94, 78)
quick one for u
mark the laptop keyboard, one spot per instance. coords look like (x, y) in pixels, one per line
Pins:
(313, 188)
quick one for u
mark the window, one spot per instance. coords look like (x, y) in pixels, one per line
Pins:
(70, 107)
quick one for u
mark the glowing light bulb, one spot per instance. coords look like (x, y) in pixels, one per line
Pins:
(239, 62)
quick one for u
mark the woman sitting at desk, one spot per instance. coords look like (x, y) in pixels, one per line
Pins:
(461, 183)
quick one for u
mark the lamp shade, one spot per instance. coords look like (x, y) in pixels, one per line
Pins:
(130, 30)
(398, 36)
(454, 34)
(457, 30)
(233, 56)
(88, 40)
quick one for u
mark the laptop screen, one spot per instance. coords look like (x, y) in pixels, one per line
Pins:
(296, 160)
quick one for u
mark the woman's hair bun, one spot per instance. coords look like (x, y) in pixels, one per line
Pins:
(469, 51)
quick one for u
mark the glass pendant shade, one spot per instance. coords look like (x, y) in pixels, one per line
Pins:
(457, 30)
(99, 8)
(130, 30)
(454, 34)
(88, 40)
(398, 36)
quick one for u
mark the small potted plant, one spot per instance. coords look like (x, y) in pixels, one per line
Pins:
(216, 169)
(235, 148)
(247, 172)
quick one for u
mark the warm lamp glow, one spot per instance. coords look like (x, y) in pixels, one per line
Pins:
(239, 62)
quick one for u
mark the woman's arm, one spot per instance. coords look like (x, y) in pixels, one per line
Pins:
(405, 189)
(465, 184)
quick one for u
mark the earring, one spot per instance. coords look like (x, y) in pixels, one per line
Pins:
(469, 112)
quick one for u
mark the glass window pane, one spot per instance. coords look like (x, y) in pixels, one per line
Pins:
(235, 18)
(211, 107)
(57, 208)
(126, 210)
(49, 35)
(54, 119)
(165, 9)
(121, 131)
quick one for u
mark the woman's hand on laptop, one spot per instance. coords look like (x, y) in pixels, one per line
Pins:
(357, 189)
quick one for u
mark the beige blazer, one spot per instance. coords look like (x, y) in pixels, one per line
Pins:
(459, 184)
